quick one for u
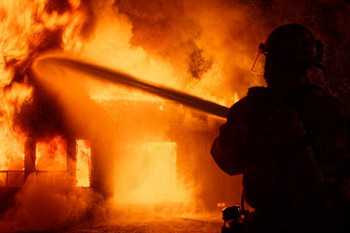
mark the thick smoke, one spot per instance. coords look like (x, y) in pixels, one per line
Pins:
(198, 36)
(39, 208)
(211, 46)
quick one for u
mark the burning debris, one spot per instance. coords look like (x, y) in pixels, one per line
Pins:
(73, 143)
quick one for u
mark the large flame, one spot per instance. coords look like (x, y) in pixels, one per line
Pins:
(27, 29)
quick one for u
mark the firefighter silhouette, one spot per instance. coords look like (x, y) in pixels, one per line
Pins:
(288, 140)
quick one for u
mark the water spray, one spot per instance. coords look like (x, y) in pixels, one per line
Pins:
(124, 79)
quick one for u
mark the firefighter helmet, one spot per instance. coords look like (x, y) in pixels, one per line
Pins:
(293, 43)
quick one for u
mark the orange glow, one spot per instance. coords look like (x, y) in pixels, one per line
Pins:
(12, 149)
(51, 155)
(150, 176)
(162, 171)
(2, 179)
(83, 163)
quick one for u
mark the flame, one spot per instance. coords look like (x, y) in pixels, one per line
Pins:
(51, 154)
(26, 28)
(193, 57)
(25, 24)
(12, 151)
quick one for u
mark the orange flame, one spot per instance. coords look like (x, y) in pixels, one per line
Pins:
(51, 154)
(25, 27)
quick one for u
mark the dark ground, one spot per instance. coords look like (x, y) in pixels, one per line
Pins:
(170, 225)
(164, 226)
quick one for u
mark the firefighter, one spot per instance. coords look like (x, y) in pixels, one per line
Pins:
(288, 140)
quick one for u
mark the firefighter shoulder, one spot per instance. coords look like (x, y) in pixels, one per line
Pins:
(224, 148)
(244, 125)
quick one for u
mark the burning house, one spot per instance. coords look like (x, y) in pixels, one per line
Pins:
(73, 141)
(69, 129)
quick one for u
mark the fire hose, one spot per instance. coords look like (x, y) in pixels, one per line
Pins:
(131, 81)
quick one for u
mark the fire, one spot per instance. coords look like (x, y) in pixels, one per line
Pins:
(12, 149)
(51, 155)
(30, 28)
(24, 27)
(62, 114)
(83, 132)
(25, 24)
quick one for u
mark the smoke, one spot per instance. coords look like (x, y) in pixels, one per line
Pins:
(39, 206)
(211, 45)
(203, 47)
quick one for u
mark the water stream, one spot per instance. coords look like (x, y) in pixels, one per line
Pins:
(130, 81)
